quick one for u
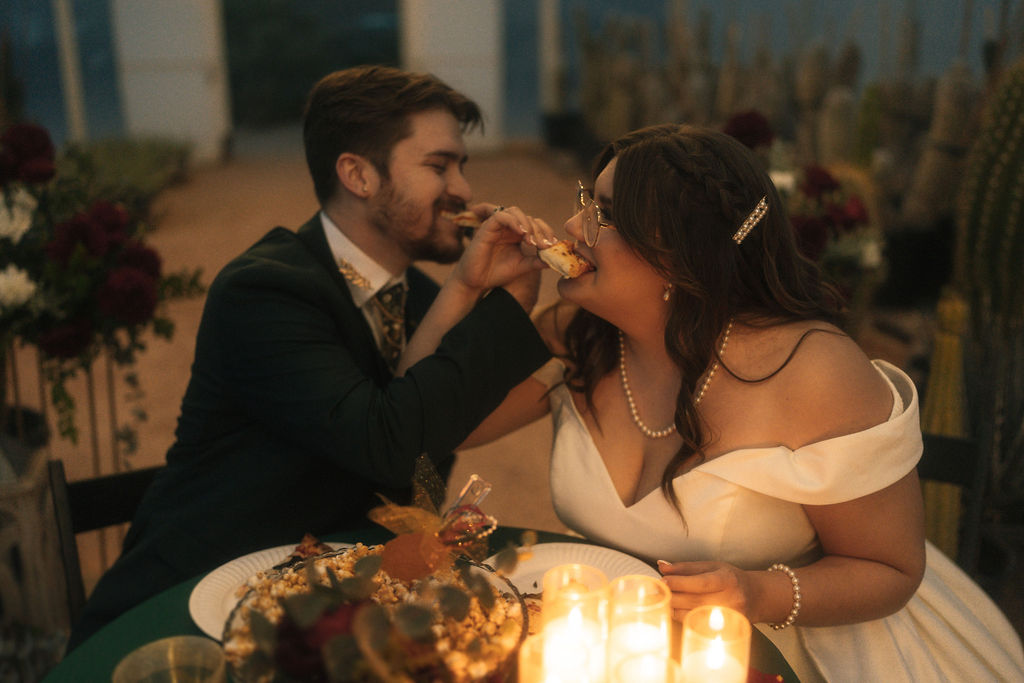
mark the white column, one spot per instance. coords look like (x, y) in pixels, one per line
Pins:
(552, 65)
(70, 70)
(173, 72)
(462, 42)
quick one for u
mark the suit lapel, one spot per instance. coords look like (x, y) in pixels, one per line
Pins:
(312, 237)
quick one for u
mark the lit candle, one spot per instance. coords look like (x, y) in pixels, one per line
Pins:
(646, 668)
(575, 617)
(716, 646)
(638, 617)
(574, 649)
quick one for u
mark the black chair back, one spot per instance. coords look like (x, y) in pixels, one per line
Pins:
(87, 505)
(956, 460)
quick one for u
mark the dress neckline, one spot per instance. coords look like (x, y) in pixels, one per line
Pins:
(898, 408)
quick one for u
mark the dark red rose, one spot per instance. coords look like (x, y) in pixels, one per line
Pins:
(856, 211)
(68, 339)
(113, 218)
(128, 296)
(811, 235)
(8, 167)
(37, 170)
(336, 622)
(80, 230)
(817, 181)
(31, 148)
(837, 217)
(751, 128)
(294, 656)
(137, 255)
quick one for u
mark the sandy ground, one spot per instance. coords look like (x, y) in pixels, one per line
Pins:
(222, 209)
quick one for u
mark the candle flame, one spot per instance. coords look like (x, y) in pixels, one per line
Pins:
(717, 620)
(575, 618)
(716, 654)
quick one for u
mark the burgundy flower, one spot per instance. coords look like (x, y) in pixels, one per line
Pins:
(8, 167)
(80, 230)
(37, 170)
(32, 150)
(129, 296)
(113, 218)
(811, 235)
(751, 128)
(855, 210)
(137, 255)
(67, 339)
(817, 181)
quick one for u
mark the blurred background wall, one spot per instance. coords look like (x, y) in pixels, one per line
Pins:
(196, 70)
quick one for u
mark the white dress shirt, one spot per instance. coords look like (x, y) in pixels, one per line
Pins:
(378, 277)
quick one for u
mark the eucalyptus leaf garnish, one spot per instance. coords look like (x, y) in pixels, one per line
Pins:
(343, 659)
(475, 647)
(356, 588)
(333, 579)
(264, 633)
(372, 627)
(305, 608)
(367, 567)
(506, 560)
(479, 586)
(453, 602)
(414, 621)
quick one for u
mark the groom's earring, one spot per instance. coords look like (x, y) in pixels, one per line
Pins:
(668, 292)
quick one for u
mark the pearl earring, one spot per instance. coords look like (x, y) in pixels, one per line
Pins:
(668, 292)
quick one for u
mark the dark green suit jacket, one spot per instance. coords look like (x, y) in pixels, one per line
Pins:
(292, 423)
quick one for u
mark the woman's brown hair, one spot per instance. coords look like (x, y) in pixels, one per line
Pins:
(680, 194)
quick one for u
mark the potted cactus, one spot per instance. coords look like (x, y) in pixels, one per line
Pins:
(987, 273)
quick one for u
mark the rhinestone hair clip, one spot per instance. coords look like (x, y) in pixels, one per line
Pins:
(753, 219)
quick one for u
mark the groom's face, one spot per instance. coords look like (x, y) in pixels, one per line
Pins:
(426, 179)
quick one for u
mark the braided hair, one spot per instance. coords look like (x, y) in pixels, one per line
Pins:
(680, 194)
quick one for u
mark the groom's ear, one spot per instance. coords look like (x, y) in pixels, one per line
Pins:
(357, 175)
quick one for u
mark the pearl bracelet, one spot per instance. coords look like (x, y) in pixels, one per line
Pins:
(779, 567)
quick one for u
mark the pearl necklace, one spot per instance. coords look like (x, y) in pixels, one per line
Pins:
(671, 429)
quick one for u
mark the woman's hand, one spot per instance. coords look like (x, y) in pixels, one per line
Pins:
(502, 250)
(709, 583)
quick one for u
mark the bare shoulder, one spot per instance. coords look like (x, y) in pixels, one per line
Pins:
(552, 322)
(829, 387)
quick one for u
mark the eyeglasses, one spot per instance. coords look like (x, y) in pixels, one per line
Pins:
(593, 219)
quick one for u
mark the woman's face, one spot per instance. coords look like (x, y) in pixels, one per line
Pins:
(623, 288)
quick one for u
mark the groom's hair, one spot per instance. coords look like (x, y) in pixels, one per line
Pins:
(365, 110)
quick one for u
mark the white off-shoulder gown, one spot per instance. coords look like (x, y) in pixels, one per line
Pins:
(744, 508)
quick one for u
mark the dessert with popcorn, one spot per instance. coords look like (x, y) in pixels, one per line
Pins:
(414, 609)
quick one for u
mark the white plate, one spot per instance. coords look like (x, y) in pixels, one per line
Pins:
(216, 594)
(529, 574)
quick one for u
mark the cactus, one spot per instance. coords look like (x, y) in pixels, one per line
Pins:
(988, 271)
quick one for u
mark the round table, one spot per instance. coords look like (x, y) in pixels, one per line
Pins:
(166, 614)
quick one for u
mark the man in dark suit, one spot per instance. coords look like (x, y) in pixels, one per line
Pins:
(310, 391)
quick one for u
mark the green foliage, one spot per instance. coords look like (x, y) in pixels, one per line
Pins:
(131, 172)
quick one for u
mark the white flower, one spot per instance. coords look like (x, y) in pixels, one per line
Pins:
(16, 288)
(16, 209)
(871, 255)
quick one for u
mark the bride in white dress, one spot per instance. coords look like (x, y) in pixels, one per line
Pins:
(710, 416)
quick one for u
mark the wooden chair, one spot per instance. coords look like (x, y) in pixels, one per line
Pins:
(87, 505)
(956, 460)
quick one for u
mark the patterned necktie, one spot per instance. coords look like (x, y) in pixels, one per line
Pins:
(391, 305)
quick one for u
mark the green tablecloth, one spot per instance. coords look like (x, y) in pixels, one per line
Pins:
(166, 614)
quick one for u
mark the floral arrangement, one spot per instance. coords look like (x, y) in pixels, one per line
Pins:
(417, 608)
(834, 228)
(76, 276)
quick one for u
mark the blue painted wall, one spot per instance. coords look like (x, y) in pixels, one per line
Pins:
(29, 26)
